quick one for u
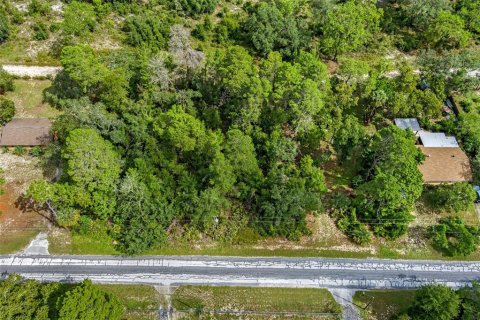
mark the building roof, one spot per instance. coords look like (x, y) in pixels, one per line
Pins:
(437, 140)
(408, 123)
(445, 165)
(26, 132)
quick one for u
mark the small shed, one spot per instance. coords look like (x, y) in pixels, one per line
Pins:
(26, 133)
(408, 123)
(437, 140)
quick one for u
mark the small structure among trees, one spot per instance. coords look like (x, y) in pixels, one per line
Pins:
(445, 161)
(26, 132)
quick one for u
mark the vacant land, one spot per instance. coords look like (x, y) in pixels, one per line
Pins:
(383, 304)
(28, 99)
(18, 227)
(260, 303)
(326, 241)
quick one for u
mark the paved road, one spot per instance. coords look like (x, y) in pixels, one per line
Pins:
(287, 272)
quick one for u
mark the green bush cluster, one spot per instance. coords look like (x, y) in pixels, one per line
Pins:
(436, 301)
(454, 197)
(7, 110)
(454, 238)
(54, 300)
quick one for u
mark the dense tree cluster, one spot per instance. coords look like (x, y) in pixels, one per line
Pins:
(440, 302)
(216, 118)
(454, 238)
(30, 299)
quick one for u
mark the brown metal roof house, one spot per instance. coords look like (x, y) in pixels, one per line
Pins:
(445, 165)
(26, 132)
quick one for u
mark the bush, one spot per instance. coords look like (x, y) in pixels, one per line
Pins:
(4, 27)
(451, 197)
(7, 110)
(39, 7)
(197, 7)
(19, 151)
(79, 19)
(146, 30)
(6, 82)
(36, 151)
(40, 31)
(353, 228)
(452, 237)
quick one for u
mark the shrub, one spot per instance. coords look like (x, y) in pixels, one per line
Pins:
(79, 19)
(7, 110)
(39, 7)
(6, 82)
(19, 151)
(146, 30)
(36, 151)
(4, 27)
(40, 31)
(196, 7)
(452, 197)
(452, 237)
(353, 228)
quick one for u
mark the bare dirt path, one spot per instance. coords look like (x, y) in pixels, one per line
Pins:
(31, 71)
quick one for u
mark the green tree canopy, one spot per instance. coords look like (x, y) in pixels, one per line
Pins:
(435, 302)
(393, 181)
(447, 31)
(452, 197)
(93, 165)
(349, 26)
(87, 301)
(79, 19)
(269, 29)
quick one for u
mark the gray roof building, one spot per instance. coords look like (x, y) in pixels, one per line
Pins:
(408, 123)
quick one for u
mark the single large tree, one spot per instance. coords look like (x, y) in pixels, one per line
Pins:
(393, 181)
(93, 165)
(435, 302)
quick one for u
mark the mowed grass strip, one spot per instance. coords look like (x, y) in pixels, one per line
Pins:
(28, 99)
(271, 300)
(383, 304)
(142, 302)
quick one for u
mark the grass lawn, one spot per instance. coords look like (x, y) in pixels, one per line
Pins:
(66, 242)
(15, 240)
(28, 99)
(141, 301)
(383, 304)
(63, 242)
(256, 300)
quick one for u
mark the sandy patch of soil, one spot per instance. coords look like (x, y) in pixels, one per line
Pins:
(18, 227)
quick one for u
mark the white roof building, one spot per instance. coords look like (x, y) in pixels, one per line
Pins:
(437, 140)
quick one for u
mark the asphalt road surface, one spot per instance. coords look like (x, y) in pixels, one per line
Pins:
(285, 272)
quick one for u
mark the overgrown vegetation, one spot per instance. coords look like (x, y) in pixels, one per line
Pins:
(440, 302)
(227, 132)
(30, 299)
